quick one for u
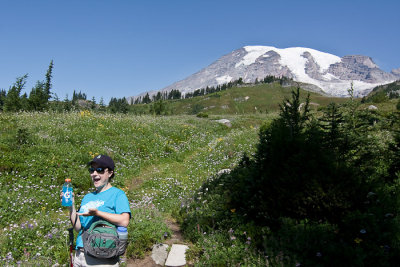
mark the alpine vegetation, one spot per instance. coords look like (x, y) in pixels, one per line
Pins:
(320, 190)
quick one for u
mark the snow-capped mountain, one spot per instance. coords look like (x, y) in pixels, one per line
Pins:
(329, 73)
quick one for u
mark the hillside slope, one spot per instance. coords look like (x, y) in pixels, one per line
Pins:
(246, 99)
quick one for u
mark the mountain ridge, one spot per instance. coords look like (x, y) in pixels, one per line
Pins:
(332, 74)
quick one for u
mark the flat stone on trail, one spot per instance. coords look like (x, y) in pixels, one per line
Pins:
(176, 256)
(159, 253)
(226, 122)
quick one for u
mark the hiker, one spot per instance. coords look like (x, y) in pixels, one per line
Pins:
(106, 202)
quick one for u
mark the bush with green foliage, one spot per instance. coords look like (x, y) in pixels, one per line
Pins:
(318, 191)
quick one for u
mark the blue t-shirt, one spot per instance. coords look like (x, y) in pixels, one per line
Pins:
(113, 200)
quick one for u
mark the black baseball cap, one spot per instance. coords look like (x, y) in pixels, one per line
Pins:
(103, 161)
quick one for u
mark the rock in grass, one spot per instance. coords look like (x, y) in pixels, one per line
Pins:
(159, 253)
(176, 256)
(225, 122)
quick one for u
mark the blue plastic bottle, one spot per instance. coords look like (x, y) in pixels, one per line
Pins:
(67, 193)
(122, 232)
(123, 239)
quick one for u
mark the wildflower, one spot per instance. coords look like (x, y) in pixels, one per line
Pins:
(233, 237)
(358, 240)
(363, 231)
(233, 210)
(319, 254)
(9, 256)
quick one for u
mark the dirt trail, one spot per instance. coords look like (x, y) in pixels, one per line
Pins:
(147, 261)
(176, 238)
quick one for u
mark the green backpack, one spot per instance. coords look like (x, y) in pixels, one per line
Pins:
(101, 240)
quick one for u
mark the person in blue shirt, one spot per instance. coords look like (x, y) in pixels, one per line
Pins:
(106, 202)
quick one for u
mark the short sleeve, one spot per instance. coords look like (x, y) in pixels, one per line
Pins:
(122, 204)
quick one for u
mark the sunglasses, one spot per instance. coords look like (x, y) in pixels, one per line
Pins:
(98, 170)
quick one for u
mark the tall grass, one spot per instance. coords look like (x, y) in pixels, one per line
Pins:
(160, 163)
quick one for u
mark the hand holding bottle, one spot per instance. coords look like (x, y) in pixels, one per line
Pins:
(67, 194)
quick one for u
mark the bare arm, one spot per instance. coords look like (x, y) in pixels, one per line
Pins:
(116, 219)
(73, 216)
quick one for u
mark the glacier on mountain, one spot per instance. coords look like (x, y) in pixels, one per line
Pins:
(323, 72)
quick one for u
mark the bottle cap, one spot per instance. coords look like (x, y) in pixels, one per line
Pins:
(122, 229)
(68, 180)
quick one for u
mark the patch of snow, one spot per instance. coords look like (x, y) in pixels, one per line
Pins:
(253, 52)
(224, 79)
(341, 88)
(293, 59)
(329, 77)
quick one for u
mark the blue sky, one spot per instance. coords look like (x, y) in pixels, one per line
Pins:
(120, 48)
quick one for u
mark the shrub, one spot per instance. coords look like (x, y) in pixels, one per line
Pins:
(318, 191)
(202, 115)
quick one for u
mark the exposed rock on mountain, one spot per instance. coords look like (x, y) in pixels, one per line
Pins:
(329, 73)
(396, 72)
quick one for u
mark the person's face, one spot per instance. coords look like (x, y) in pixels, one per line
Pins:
(100, 176)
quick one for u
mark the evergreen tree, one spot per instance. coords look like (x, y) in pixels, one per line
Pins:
(56, 104)
(102, 105)
(93, 103)
(300, 176)
(67, 104)
(158, 108)
(146, 99)
(47, 84)
(118, 105)
(78, 96)
(12, 102)
(38, 97)
(25, 102)
(291, 114)
(336, 137)
(123, 105)
(3, 95)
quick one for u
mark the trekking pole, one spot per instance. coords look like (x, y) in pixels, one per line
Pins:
(71, 245)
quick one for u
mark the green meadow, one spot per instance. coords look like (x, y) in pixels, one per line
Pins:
(246, 99)
(227, 187)
(161, 162)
